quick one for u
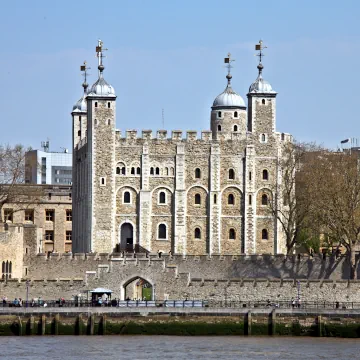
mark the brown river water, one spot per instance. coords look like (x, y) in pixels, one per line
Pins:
(177, 348)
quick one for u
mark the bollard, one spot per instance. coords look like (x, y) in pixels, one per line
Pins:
(272, 319)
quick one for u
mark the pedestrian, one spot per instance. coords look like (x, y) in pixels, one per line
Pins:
(299, 303)
(293, 302)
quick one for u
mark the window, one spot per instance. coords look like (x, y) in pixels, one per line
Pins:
(172, 171)
(235, 115)
(162, 232)
(197, 199)
(79, 132)
(102, 181)
(219, 114)
(219, 127)
(282, 136)
(123, 170)
(232, 234)
(109, 105)
(127, 197)
(167, 171)
(68, 236)
(29, 215)
(250, 200)
(109, 122)
(8, 215)
(263, 101)
(68, 215)
(214, 198)
(231, 199)
(263, 138)
(6, 269)
(152, 171)
(118, 170)
(250, 175)
(264, 234)
(132, 171)
(157, 171)
(235, 128)
(138, 171)
(49, 235)
(50, 214)
(265, 175)
(197, 173)
(162, 197)
(231, 174)
(95, 103)
(197, 233)
(264, 200)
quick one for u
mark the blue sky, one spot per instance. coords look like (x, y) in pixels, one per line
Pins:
(169, 55)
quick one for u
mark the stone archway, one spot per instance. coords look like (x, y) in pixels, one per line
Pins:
(126, 236)
(138, 289)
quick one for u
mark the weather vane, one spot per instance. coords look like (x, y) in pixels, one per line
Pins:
(259, 47)
(84, 68)
(100, 55)
(228, 60)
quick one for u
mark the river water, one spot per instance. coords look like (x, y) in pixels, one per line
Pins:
(176, 348)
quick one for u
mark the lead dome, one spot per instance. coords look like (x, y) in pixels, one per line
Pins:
(101, 87)
(228, 98)
(260, 85)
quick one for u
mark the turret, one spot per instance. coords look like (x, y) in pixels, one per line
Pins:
(228, 113)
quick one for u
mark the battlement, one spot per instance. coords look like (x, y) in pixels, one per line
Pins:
(176, 135)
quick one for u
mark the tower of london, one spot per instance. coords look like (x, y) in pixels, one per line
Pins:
(182, 192)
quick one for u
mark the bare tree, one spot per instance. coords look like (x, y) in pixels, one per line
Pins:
(12, 179)
(291, 200)
(335, 192)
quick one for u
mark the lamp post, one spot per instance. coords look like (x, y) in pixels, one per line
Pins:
(27, 292)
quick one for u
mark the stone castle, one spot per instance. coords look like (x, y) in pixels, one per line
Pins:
(191, 196)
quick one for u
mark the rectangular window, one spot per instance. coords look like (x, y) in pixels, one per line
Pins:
(68, 235)
(8, 215)
(68, 215)
(68, 246)
(49, 235)
(29, 215)
(50, 215)
(250, 200)
(250, 175)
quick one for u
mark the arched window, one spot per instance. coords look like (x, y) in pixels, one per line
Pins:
(235, 114)
(162, 197)
(219, 114)
(264, 199)
(197, 233)
(157, 171)
(265, 175)
(231, 174)
(282, 136)
(235, 128)
(263, 137)
(108, 105)
(263, 101)
(197, 199)
(109, 121)
(214, 198)
(117, 170)
(197, 173)
(132, 171)
(138, 171)
(172, 171)
(127, 197)
(152, 171)
(250, 199)
(232, 234)
(231, 199)
(95, 103)
(123, 171)
(3, 267)
(167, 171)
(250, 175)
(10, 267)
(219, 127)
(162, 232)
(264, 234)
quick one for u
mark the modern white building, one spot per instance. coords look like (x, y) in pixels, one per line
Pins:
(45, 167)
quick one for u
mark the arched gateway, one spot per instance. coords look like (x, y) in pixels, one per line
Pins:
(137, 289)
(126, 236)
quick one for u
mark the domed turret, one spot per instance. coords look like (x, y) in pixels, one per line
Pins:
(260, 85)
(80, 105)
(228, 98)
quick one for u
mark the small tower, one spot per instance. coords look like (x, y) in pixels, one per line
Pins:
(79, 113)
(228, 113)
(97, 184)
(261, 103)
